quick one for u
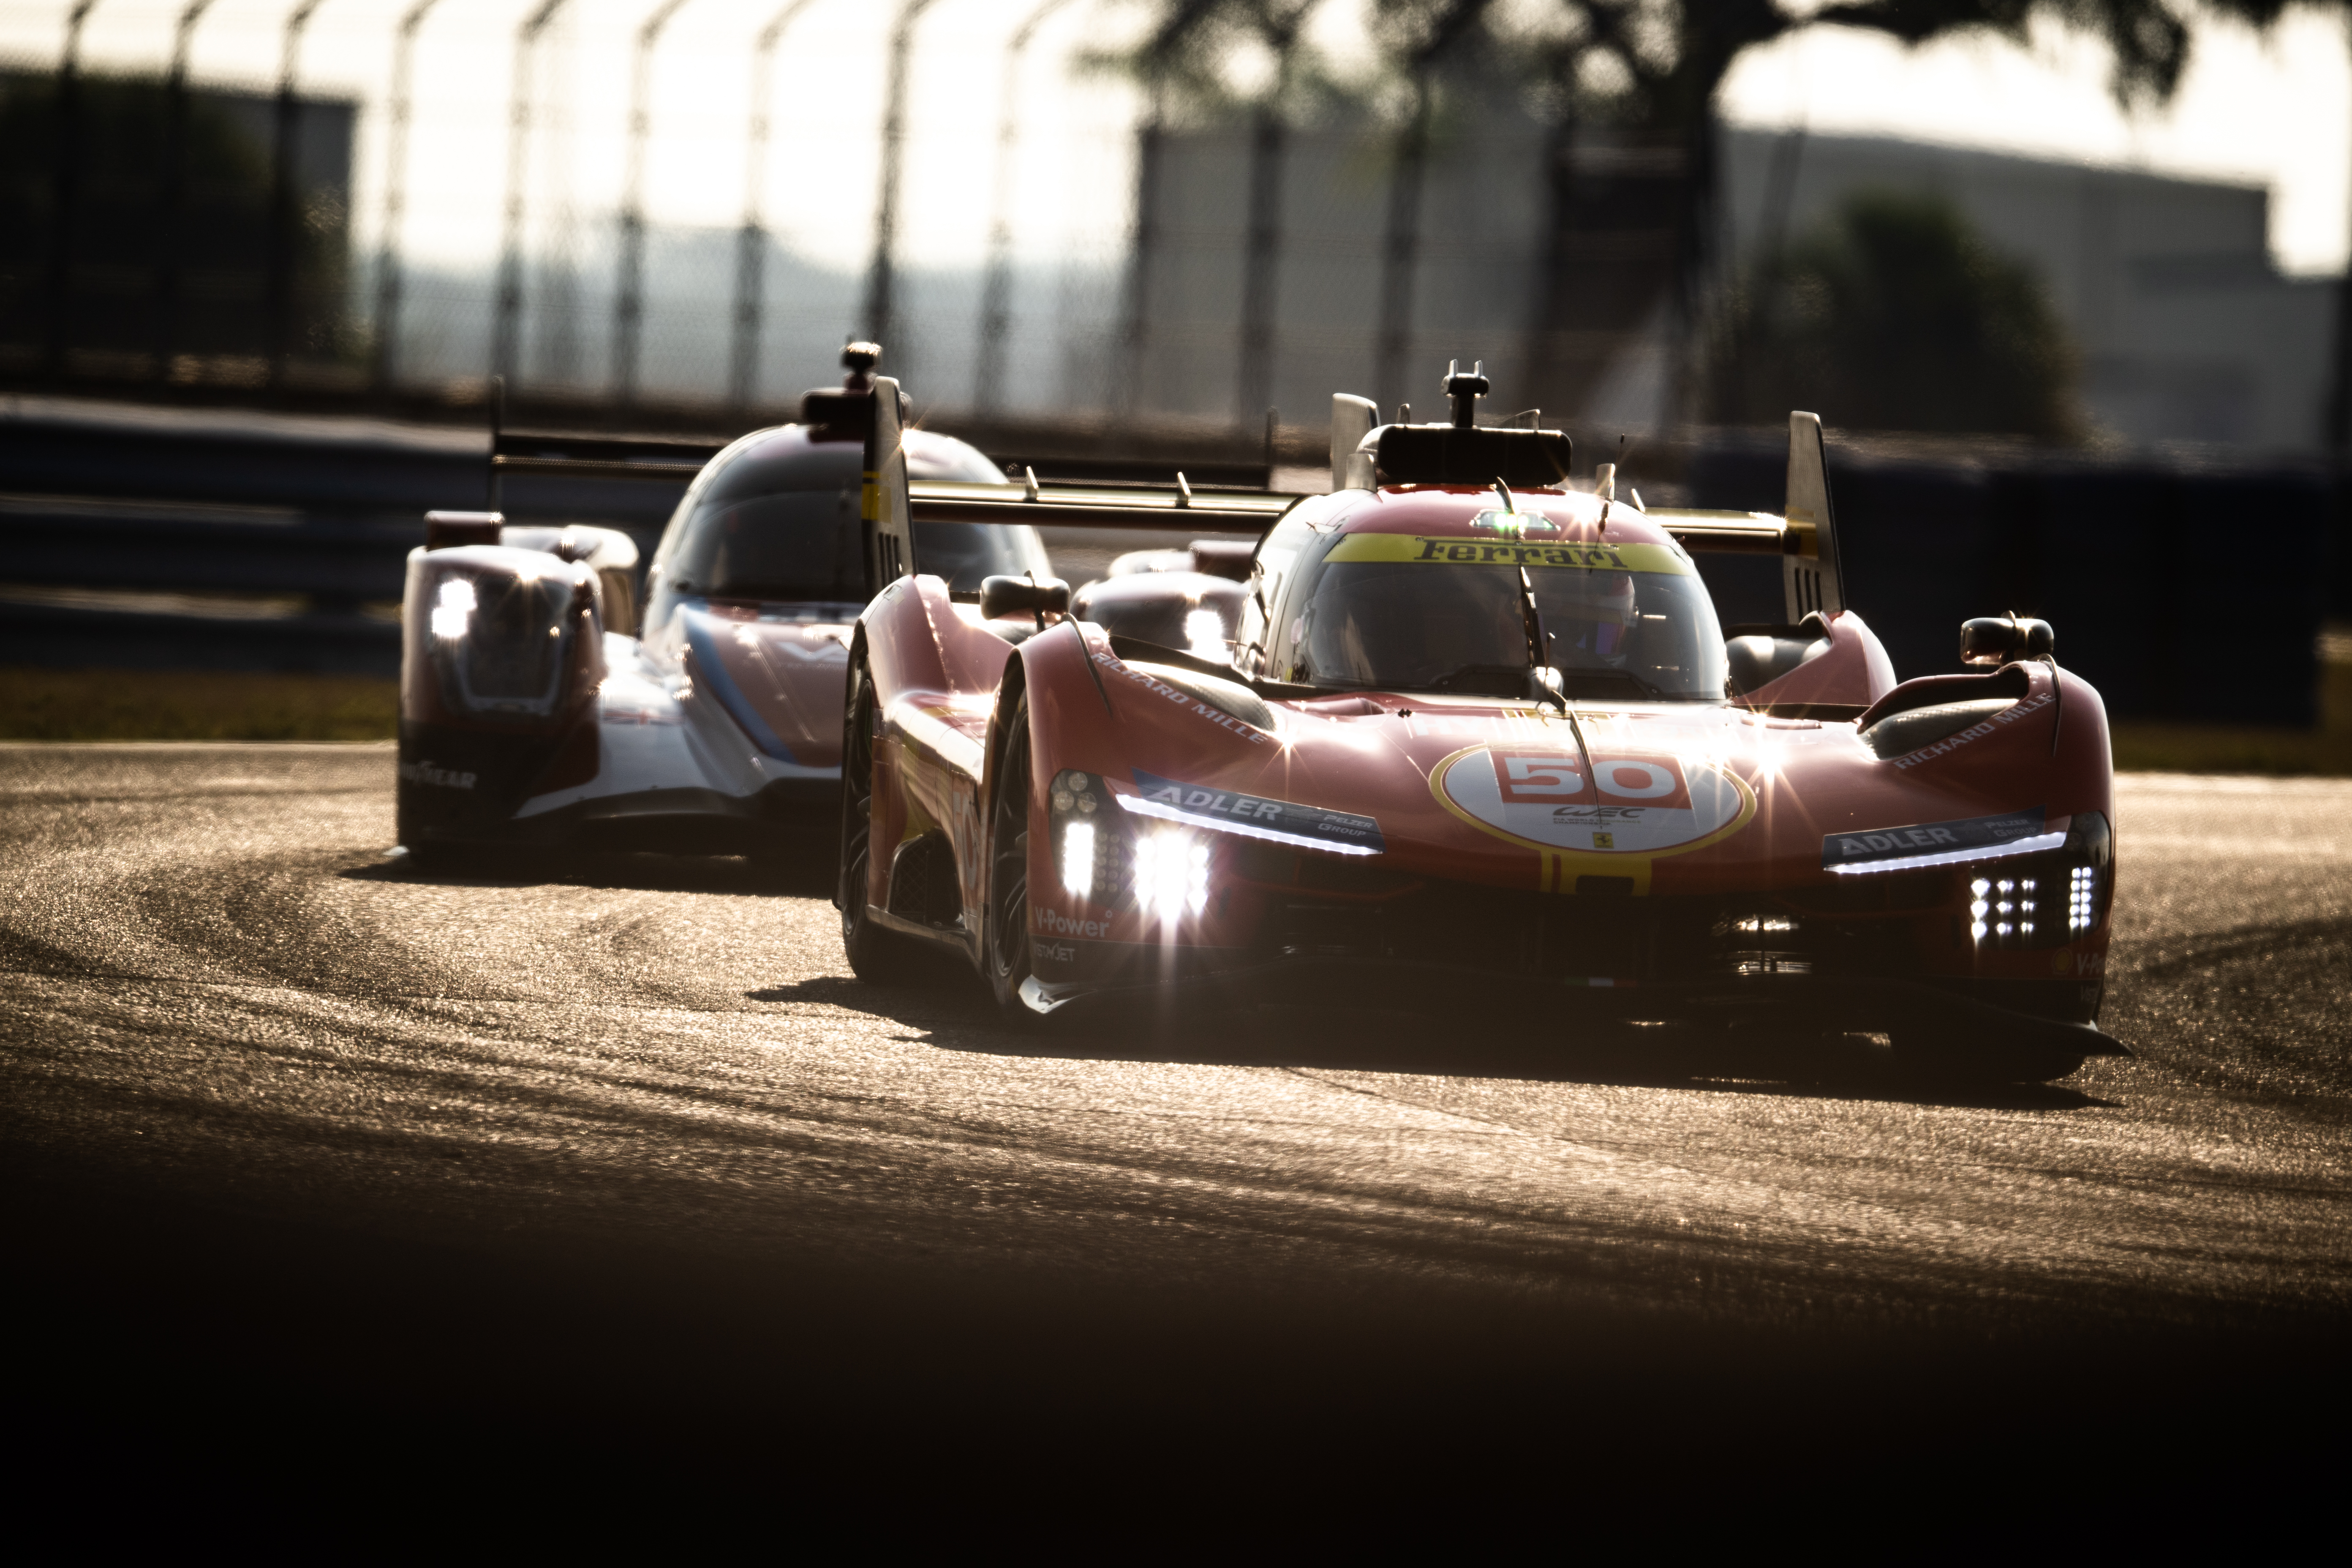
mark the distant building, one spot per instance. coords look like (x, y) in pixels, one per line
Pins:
(2187, 330)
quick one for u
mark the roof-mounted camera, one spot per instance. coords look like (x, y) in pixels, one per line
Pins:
(1462, 452)
(847, 410)
(1465, 390)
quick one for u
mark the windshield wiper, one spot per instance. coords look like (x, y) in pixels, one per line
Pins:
(1538, 645)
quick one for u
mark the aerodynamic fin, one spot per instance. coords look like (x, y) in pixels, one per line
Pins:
(886, 504)
(1353, 419)
(1810, 572)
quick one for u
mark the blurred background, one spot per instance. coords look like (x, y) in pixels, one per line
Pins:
(2063, 280)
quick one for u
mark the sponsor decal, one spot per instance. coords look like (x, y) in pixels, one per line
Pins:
(1974, 732)
(2090, 965)
(1458, 551)
(1255, 817)
(1632, 802)
(1217, 716)
(1053, 952)
(437, 778)
(1059, 924)
(1940, 839)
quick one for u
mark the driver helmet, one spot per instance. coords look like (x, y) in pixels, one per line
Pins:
(1598, 611)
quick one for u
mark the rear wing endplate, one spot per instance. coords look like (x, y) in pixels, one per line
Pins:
(1803, 536)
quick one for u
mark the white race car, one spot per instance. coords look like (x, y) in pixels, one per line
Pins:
(535, 708)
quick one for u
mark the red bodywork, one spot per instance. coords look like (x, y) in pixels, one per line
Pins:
(1653, 858)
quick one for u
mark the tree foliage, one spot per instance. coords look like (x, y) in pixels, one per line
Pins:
(1893, 315)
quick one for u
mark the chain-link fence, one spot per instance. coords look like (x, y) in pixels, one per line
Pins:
(621, 205)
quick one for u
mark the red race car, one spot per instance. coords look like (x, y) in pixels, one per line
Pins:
(1464, 725)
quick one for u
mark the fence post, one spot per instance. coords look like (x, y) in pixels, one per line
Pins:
(629, 299)
(170, 258)
(284, 206)
(395, 199)
(1400, 254)
(1135, 323)
(65, 194)
(751, 239)
(506, 334)
(1269, 144)
(880, 280)
(996, 303)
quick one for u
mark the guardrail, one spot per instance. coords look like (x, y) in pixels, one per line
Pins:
(134, 538)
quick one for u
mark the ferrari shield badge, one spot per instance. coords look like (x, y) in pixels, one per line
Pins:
(1626, 803)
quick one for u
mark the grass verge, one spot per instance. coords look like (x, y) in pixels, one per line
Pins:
(2142, 745)
(193, 705)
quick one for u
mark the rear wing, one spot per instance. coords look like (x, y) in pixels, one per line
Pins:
(1804, 536)
(1099, 505)
(559, 454)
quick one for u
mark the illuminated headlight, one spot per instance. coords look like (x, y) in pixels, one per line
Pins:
(2082, 899)
(454, 609)
(1172, 873)
(1078, 858)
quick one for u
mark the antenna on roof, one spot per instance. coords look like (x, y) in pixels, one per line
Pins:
(1465, 391)
(859, 359)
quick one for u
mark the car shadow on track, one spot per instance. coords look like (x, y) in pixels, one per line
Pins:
(954, 1014)
(806, 876)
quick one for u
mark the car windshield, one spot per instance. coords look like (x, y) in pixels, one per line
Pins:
(967, 553)
(792, 545)
(802, 545)
(1401, 612)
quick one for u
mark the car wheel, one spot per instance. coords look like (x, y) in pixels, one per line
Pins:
(877, 956)
(1007, 947)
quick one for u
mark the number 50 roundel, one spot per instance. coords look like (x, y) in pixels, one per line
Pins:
(1630, 802)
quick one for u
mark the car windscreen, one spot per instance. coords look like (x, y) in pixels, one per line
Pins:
(965, 554)
(1401, 613)
(791, 545)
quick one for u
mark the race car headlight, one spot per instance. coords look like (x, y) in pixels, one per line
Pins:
(1172, 873)
(454, 609)
(1078, 858)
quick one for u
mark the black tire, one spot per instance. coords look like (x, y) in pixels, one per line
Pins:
(423, 853)
(435, 859)
(1005, 949)
(877, 956)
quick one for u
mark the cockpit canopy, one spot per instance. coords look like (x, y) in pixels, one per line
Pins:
(1394, 612)
(776, 519)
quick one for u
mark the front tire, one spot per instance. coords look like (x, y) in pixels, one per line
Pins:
(877, 956)
(1006, 956)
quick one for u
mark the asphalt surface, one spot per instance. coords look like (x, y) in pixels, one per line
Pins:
(282, 1115)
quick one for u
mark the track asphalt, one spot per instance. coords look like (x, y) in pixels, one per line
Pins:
(287, 1121)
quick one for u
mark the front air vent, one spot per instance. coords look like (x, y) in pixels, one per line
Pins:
(1226, 696)
(1905, 732)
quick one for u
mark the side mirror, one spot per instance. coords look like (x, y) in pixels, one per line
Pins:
(1017, 595)
(2004, 639)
